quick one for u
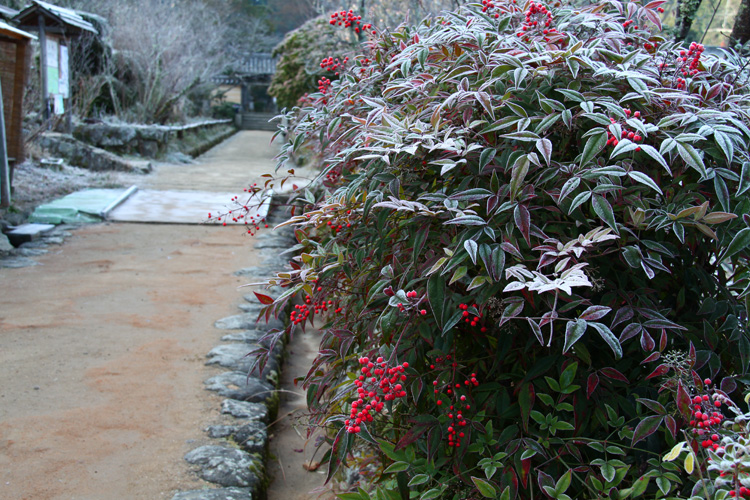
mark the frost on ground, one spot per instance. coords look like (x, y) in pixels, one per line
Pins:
(34, 185)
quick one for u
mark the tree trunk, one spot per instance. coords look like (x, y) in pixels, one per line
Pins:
(686, 10)
(741, 29)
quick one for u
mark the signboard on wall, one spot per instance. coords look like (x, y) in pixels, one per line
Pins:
(53, 71)
(64, 85)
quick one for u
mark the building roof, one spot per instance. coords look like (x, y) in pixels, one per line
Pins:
(7, 12)
(58, 19)
(11, 32)
(258, 64)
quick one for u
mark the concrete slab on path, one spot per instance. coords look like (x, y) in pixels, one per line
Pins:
(183, 207)
(81, 206)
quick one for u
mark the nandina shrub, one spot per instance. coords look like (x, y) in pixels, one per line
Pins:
(526, 251)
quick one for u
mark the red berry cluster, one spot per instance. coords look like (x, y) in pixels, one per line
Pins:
(744, 492)
(472, 320)
(414, 301)
(302, 311)
(377, 383)
(337, 227)
(459, 401)
(629, 23)
(707, 417)
(332, 65)
(323, 85)
(626, 133)
(538, 18)
(694, 56)
(347, 19)
(241, 214)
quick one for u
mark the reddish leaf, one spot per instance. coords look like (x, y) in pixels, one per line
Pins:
(591, 384)
(651, 358)
(660, 370)
(526, 398)
(614, 374)
(525, 468)
(630, 331)
(623, 314)
(652, 405)
(411, 436)
(264, 299)
(683, 401)
(691, 355)
(671, 425)
(663, 341)
(595, 312)
(523, 221)
(728, 385)
(647, 341)
(646, 427)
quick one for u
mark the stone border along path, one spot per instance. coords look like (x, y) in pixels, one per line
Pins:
(237, 462)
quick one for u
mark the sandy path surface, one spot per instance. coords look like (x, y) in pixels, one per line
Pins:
(102, 346)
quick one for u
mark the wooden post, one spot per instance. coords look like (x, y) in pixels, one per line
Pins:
(16, 114)
(43, 63)
(4, 172)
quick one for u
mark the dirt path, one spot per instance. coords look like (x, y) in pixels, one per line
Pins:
(102, 346)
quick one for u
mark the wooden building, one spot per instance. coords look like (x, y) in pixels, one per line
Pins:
(55, 26)
(15, 58)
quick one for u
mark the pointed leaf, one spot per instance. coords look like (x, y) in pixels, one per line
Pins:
(471, 247)
(644, 179)
(484, 487)
(646, 427)
(594, 313)
(264, 299)
(591, 384)
(604, 210)
(609, 338)
(593, 146)
(545, 147)
(740, 241)
(574, 330)
(692, 157)
(523, 221)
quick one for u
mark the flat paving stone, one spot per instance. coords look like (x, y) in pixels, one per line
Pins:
(17, 262)
(217, 494)
(243, 321)
(242, 409)
(237, 385)
(225, 466)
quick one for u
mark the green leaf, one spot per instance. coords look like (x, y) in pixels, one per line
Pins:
(646, 427)
(644, 179)
(574, 330)
(545, 147)
(471, 247)
(569, 186)
(726, 145)
(722, 192)
(458, 274)
(436, 297)
(486, 157)
(419, 479)
(609, 338)
(563, 483)
(396, 467)
(604, 210)
(653, 153)
(593, 146)
(484, 487)
(567, 118)
(692, 157)
(608, 472)
(518, 174)
(579, 200)
(437, 265)
(740, 241)
(524, 135)
(568, 374)
(744, 179)
(431, 494)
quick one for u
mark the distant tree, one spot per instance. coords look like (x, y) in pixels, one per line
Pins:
(741, 29)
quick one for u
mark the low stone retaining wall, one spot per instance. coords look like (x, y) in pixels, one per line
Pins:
(154, 141)
(235, 461)
(80, 154)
